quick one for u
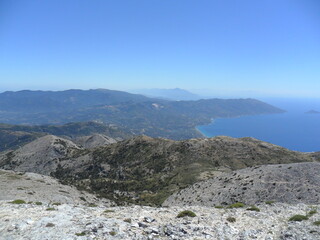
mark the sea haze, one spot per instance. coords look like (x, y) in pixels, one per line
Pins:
(294, 129)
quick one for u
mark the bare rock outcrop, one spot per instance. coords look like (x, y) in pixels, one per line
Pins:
(288, 183)
(32, 187)
(30, 221)
(96, 140)
(40, 156)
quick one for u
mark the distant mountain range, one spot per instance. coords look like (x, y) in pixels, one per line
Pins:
(313, 112)
(177, 94)
(136, 113)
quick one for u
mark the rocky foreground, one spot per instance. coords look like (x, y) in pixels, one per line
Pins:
(67, 221)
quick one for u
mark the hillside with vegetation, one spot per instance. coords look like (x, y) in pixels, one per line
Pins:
(14, 136)
(144, 170)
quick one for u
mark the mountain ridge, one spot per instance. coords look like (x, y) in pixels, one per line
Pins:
(176, 94)
(146, 170)
(14, 136)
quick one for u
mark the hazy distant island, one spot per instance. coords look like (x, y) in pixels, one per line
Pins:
(313, 112)
(176, 94)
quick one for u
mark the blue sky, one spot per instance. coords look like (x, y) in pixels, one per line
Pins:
(221, 47)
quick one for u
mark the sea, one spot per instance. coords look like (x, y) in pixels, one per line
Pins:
(295, 129)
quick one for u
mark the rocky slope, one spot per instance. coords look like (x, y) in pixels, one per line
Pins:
(287, 183)
(93, 141)
(43, 153)
(143, 169)
(67, 221)
(42, 189)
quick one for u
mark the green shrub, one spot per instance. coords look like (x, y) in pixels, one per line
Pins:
(253, 208)
(108, 211)
(312, 212)
(231, 219)
(128, 220)
(269, 202)
(186, 213)
(112, 233)
(236, 205)
(80, 234)
(218, 207)
(317, 223)
(298, 218)
(50, 209)
(93, 205)
(18, 201)
(38, 203)
(56, 204)
(83, 199)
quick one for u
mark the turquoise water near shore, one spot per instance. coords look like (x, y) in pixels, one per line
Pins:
(294, 129)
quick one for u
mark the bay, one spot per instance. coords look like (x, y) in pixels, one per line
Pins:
(295, 129)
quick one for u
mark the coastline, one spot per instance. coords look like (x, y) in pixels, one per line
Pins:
(212, 120)
(280, 129)
(205, 134)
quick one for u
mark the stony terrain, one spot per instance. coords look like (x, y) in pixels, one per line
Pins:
(43, 153)
(39, 188)
(93, 141)
(287, 183)
(144, 170)
(67, 221)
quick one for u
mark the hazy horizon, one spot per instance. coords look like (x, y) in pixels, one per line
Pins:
(200, 92)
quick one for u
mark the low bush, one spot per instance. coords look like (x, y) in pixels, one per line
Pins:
(80, 234)
(219, 207)
(317, 223)
(186, 213)
(108, 211)
(236, 205)
(18, 201)
(83, 199)
(253, 208)
(231, 219)
(298, 218)
(50, 209)
(312, 212)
